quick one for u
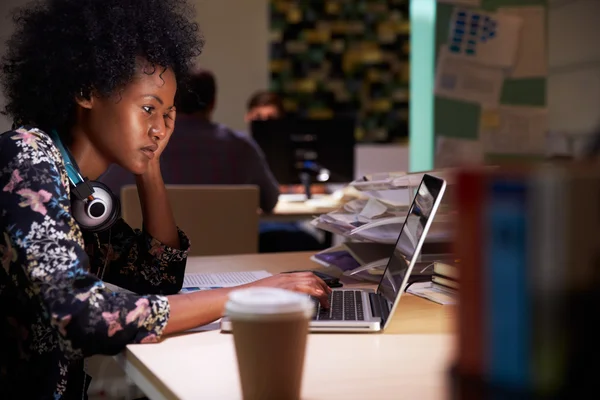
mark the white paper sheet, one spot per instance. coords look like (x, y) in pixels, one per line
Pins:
(532, 59)
(203, 281)
(382, 233)
(459, 79)
(486, 38)
(213, 326)
(373, 208)
(427, 291)
(515, 130)
(473, 3)
(452, 152)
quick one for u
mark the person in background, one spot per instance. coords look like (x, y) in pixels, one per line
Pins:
(93, 82)
(280, 236)
(204, 152)
(265, 105)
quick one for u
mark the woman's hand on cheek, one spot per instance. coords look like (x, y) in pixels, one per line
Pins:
(170, 126)
(170, 121)
(153, 169)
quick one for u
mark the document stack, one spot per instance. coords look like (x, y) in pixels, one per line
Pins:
(529, 293)
(443, 286)
(372, 222)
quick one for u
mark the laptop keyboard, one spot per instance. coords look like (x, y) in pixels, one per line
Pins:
(344, 305)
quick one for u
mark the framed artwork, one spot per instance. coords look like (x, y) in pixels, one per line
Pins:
(342, 57)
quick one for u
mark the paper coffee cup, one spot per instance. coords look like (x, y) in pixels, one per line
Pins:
(270, 328)
(265, 303)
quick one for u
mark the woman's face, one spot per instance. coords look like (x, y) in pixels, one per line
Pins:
(131, 127)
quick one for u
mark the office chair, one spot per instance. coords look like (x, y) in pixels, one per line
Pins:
(218, 219)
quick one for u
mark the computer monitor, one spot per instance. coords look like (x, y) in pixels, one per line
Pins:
(300, 149)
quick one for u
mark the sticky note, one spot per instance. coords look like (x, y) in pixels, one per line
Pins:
(490, 119)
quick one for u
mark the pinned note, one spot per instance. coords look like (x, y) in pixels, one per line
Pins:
(453, 152)
(459, 79)
(532, 59)
(490, 119)
(489, 39)
(520, 130)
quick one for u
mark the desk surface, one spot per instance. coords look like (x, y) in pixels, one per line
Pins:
(349, 366)
(292, 210)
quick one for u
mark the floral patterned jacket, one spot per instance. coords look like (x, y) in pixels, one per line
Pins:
(54, 310)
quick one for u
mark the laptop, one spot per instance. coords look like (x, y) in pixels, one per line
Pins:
(367, 310)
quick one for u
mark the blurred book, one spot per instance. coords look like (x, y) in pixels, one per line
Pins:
(446, 270)
(529, 282)
(445, 283)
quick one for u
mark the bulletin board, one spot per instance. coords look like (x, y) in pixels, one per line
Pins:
(491, 79)
(339, 57)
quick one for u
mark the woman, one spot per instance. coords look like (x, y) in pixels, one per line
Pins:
(98, 77)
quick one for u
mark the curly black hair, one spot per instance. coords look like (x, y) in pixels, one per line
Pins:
(66, 48)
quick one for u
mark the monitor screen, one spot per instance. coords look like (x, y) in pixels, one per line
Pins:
(420, 212)
(295, 145)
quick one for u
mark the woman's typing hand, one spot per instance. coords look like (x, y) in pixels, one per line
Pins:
(304, 282)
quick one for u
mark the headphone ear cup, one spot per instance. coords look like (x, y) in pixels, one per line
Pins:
(111, 214)
(114, 212)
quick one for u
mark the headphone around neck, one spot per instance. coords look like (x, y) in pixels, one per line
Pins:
(94, 207)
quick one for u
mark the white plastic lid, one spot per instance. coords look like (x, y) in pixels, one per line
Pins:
(268, 302)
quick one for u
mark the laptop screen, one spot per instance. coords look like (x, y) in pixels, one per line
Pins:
(409, 239)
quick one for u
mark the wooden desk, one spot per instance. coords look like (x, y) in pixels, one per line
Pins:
(202, 365)
(286, 211)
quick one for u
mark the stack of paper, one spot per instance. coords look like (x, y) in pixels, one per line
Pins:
(365, 219)
(428, 291)
(395, 188)
(379, 211)
(207, 281)
(374, 220)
